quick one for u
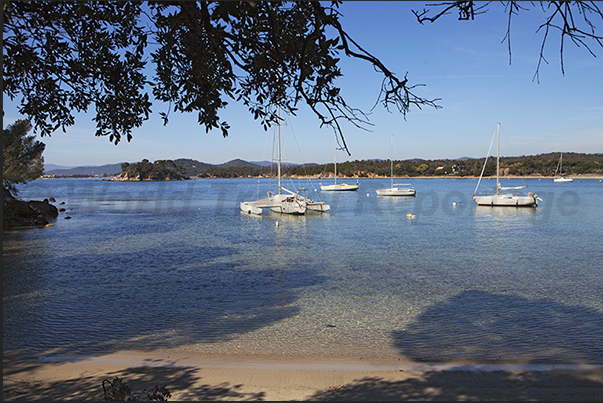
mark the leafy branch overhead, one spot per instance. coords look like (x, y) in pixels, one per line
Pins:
(67, 57)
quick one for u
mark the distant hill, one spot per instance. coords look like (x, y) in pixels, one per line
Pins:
(103, 170)
(193, 167)
(283, 163)
(48, 167)
(237, 163)
(541, 164)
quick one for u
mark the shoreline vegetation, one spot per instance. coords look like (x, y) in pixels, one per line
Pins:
(576, 165)
(113, 178)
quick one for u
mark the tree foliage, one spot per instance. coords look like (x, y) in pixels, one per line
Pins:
(21, 154)
(63, 57)
(159, 170)
(542, 164)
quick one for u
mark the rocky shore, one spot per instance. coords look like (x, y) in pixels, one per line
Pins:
(26, 214)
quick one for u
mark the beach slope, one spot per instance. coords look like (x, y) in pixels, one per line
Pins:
(220, 378)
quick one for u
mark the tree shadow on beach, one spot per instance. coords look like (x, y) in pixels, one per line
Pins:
(476, 328)
(472, 385)
(184, 384)
(537, 332)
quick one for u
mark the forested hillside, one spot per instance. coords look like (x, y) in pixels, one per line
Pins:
(542, 164)
(182, 168)
(145, 170)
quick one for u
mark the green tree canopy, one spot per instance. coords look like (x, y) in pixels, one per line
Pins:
(22, 155)
(68, 56)
(63, 57)
(159, 170)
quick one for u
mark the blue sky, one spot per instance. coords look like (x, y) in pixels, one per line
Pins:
(462, 62)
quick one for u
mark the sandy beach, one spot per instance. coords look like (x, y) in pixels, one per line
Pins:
(229, 378)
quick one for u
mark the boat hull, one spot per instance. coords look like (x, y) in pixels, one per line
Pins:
(279, 203)
(563, 180)
(395, 191)
(289, 208)
(506, 200)
(317, 206)
(339, 187)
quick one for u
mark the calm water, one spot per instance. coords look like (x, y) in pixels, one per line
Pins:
(176, 266)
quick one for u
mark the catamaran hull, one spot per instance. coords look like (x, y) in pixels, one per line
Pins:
(395, 192)
(317, 206)
(289, 208)
(279, 203)
(249, 208)
(506, 200)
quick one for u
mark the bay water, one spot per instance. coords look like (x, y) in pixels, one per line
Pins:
(176, 266)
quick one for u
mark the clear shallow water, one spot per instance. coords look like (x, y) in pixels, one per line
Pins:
(177, 266)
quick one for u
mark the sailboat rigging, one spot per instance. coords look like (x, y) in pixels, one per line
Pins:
(400, 189)
(501, 198)
(338, 186)
(285, 201)
(561, 178)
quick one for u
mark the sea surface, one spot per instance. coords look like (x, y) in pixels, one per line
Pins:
(176, 266)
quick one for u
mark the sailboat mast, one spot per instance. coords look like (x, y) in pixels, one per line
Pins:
(391, 162)
(279, 150)
(335, 157)
(497, 156)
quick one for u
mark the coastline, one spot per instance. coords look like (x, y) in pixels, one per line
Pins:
(230, 378)
(112, 178)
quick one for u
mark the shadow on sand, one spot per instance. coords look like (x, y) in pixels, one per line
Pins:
(538, 332)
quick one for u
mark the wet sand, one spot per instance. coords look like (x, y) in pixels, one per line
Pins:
(232, 378)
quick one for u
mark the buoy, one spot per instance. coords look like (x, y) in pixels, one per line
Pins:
(277, 223)
(454, 203)
(367, 195)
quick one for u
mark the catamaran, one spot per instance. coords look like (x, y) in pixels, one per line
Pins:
(501, 196)
(399, 189)
(561, 178)
(285, 201)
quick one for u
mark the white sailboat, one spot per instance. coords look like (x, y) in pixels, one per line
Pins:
(285, 201)
(561, 178)
(338, 186)
(501, 197)
(399, 189)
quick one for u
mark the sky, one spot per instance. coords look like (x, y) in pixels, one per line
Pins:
(464, 63)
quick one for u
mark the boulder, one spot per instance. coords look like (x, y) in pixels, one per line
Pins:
(18, 213)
